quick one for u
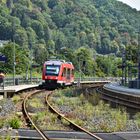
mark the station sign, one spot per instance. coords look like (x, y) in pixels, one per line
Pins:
(3, 58)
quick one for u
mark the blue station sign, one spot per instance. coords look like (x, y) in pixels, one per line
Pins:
(3, 58)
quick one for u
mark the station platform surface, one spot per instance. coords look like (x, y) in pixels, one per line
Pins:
(70, 135)
(13, 89)
(115, 87)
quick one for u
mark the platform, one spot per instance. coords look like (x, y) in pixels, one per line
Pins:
(115, 87)
(7, 91)
(25, 134)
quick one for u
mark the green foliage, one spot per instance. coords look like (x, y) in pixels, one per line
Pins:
(15, 123)
(48, 25)
(35, 102)
(16, 99)
(82, 110)
(137, 118)
(21, 58)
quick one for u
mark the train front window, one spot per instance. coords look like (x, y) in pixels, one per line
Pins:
(52, 70)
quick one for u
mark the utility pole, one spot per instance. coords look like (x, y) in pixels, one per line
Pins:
(79, 80)
(139, 54)
(14, 63)
(138, 84)
(14, 55)
(30, 48)
(123, 66)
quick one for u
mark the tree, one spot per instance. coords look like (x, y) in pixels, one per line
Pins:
(47, 33)
(40, 53)
(51, 47)
(21, 58)
(52, 3)
(92, 40)
(84, 61)
(19, 11)
(21, 37)
(83, 38)
(9, 4)
(59, 16)
(38, 28)
(32, 37)
(59, 39)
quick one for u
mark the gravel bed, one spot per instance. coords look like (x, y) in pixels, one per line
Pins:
(35, 110)
(6, 107)
(65, 109)
(131, 125)
(96, 123)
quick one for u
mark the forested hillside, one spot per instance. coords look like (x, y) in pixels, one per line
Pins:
(50, 27)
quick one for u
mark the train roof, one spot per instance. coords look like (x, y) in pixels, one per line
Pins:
(57, 62)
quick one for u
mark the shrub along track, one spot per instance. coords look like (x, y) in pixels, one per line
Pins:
(30, 121)
(74, 125)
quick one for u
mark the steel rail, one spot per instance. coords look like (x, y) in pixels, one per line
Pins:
(122, 101)
(72, 123)
(28, 116)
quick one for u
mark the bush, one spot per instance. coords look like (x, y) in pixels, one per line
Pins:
(137, 118)
(15, 123)
(16, 99)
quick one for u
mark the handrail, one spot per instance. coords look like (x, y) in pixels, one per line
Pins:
(8, 81)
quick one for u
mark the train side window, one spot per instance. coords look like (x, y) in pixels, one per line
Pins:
(68, 74)
(64, 73)
(72, 72)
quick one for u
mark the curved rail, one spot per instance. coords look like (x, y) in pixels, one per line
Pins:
(72, 123)
(28, 119)
(115, 98)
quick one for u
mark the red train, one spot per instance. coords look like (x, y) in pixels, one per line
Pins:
(58, 73)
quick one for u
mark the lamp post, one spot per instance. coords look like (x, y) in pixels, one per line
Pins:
(14, 55)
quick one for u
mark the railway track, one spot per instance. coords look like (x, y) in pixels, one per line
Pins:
(29, 119)
(75, 126)
(119, 98)
(42, 134)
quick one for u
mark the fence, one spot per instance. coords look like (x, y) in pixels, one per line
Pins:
(21, 81)
(8, 81)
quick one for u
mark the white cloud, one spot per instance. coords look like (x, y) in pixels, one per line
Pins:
(132, 3)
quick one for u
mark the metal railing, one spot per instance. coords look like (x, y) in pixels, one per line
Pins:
(21, 81)
(8, 81)
(111, 79)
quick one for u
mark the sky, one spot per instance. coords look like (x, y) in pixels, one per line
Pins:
(132, 3)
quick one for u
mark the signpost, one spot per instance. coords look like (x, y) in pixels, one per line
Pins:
(3, 58)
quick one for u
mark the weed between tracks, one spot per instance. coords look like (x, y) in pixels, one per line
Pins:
(42, 116)
(8, 116)
(92, 113)
(85, 109)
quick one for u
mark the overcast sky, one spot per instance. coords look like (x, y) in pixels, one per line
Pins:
(132, 3)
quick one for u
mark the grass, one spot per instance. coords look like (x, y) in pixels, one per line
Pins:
(91, 112)
(16, 98)
(48, 121)
(137, 118)
(14, 122)
(11, 121)
(36, 102)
